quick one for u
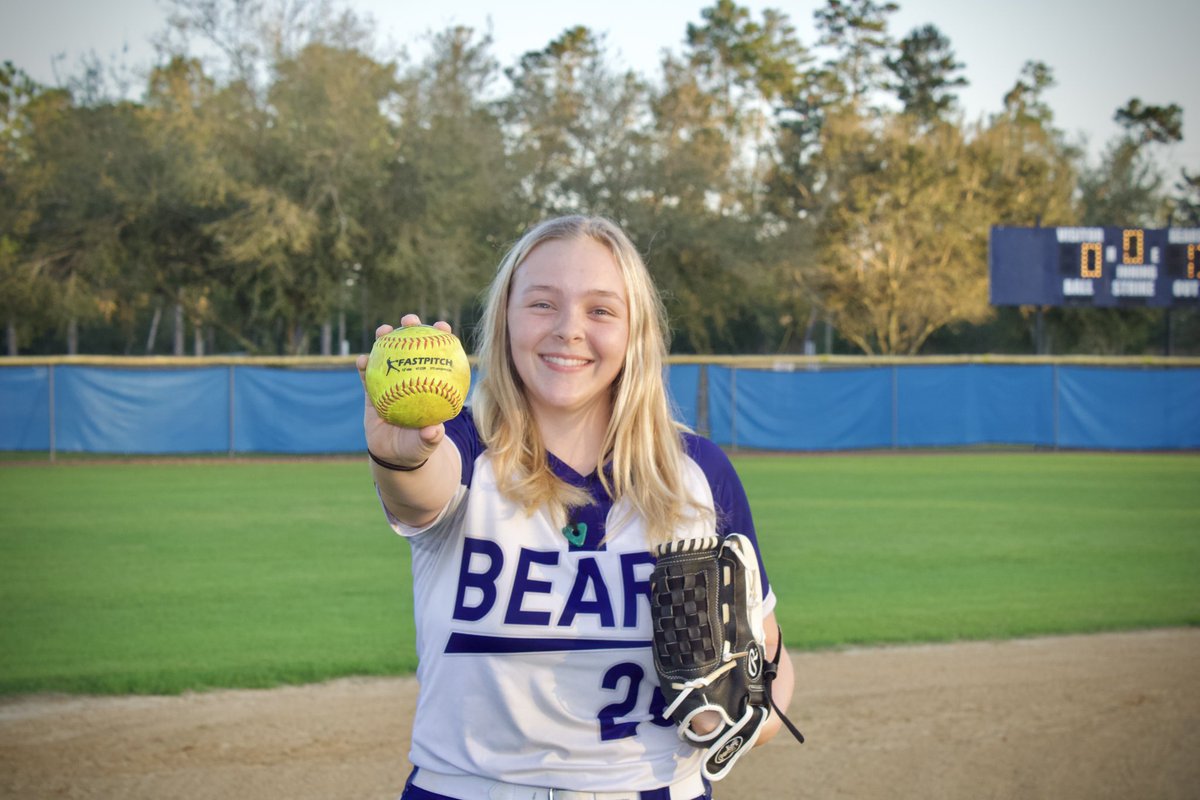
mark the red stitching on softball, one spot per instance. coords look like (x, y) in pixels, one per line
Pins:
(418, 386)
(416, 342)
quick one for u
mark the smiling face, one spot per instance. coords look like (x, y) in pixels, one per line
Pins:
(568, 324)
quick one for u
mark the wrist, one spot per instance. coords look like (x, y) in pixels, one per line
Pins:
(395, 467)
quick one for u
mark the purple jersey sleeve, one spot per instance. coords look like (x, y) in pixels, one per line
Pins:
(731, 506)
(462, 431)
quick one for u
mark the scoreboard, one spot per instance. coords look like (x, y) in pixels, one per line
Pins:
(1094, 266)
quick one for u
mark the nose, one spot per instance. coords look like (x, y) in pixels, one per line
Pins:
(569, 327)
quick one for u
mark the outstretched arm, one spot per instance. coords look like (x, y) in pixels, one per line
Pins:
(424, 468)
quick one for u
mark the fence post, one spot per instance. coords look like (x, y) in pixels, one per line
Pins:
(232, 383)
(702, 424)
(1057, 390)
(53, 443)
(733, 412)
(895, 408)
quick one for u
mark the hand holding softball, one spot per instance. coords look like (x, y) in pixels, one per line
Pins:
(415, 378)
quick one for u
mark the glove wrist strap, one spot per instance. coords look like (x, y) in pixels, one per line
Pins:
(770, 669)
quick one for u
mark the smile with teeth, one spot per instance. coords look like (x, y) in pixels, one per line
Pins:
(566, 361)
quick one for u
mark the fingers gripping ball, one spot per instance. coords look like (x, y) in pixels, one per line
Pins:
(418, 376)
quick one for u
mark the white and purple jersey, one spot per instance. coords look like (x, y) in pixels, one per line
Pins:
(535, 659)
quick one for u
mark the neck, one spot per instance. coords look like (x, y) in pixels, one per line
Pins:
(576, 439)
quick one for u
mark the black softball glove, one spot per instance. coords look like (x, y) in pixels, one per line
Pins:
(709, 647)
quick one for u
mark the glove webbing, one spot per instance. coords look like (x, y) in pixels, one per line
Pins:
(769, 671)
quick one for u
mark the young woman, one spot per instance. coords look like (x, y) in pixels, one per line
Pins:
(531, 518)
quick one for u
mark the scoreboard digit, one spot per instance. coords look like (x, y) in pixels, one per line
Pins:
(1090, 260)
(1133, 246)
(1183, 262)
(1095, 266)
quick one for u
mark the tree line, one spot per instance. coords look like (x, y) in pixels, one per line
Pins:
(295, 186)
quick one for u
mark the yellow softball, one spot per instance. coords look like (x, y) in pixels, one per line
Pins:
(418, 376)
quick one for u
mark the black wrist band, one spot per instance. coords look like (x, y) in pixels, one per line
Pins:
(394, 467)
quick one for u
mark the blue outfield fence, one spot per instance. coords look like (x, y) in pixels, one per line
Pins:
(239, 408)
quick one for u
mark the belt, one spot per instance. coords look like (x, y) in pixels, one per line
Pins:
(471, 787)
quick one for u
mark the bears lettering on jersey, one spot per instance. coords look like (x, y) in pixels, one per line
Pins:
(481, 591)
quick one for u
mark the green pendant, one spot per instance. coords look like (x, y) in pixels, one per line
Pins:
(576, 533)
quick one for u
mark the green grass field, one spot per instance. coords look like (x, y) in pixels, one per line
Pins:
(159, 578)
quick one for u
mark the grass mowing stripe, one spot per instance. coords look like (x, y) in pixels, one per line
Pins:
(163, 578)
(934, 547)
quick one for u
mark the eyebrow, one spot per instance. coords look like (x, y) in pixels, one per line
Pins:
(543, 287)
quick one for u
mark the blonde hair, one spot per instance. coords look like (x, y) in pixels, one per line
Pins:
(642, 439)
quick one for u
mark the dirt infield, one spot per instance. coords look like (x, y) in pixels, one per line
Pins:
(1108, 716)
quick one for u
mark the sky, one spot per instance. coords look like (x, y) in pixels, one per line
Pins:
(1102, 52)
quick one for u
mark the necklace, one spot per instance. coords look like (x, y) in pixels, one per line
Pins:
(576, 533)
